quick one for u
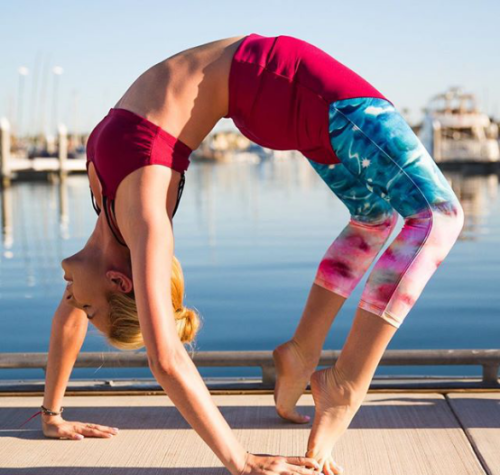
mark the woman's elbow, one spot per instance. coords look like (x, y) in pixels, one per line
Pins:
(166, 363)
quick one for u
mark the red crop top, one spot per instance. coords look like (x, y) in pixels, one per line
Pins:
(280, 89)
(123, 142)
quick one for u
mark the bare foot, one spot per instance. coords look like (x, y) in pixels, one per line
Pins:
(336, 404)
(293, 370)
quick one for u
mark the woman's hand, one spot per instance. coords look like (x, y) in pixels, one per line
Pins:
(270, 464)
(57, 427)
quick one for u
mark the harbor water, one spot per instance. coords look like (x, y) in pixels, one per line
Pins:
(249, 237)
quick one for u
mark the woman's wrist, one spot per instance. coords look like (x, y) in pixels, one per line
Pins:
(51, 414)
(241, 464)
(48, 419)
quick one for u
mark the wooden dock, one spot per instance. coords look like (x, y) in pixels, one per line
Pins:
(394, 433)
(13, 166)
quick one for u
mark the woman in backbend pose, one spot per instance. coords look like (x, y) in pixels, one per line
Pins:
(285, 94)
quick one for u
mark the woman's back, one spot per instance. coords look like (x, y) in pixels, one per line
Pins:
(187, 93)
(161, 118)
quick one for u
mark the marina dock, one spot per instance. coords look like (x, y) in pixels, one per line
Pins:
(13, 166)
(419, 426)
(393, 433)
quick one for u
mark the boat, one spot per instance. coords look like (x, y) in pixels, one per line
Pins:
(454, 130)
(230, 146)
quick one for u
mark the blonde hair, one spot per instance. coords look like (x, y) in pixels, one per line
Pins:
(124, 330)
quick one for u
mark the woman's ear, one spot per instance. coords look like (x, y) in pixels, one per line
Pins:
(120, 281)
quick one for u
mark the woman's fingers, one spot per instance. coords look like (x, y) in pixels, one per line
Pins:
(66, 435)
(306, 461)
(90, 430)
(292, 468)
(110, 430)
(303, 465)
(93, 430)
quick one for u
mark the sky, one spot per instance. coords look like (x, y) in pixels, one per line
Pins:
(409, 50)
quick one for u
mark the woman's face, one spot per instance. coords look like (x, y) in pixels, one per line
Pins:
(91, 274)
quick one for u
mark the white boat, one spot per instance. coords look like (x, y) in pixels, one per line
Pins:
(455, 130)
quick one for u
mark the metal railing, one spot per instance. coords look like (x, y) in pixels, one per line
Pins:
(489, 360)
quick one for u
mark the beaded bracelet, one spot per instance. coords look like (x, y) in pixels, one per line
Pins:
(246, 460)
(44, 411)
(48, 412)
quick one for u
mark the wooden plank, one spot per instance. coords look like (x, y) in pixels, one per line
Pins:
(480, 416)
(46, 164)
(392, 434)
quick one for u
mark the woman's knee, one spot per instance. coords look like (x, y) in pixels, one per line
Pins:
(441, 222)
(407, 265)
(381, 218)
(447, 221)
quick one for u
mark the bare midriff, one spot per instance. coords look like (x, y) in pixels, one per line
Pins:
(186, 94)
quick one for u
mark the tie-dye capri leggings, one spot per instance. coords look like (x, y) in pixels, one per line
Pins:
(385, 171)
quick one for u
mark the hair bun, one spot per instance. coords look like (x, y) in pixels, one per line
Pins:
(124, 329)
(188, 324)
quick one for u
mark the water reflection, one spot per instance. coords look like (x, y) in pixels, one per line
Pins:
(478, 194)
(249, 237)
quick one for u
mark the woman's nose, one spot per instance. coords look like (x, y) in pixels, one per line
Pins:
(65, 267)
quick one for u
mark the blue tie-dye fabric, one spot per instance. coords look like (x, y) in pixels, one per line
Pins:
(375, 144)
(363, 205)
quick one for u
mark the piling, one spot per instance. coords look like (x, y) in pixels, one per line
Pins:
(63, 150)
(5, 172)
(436, 141)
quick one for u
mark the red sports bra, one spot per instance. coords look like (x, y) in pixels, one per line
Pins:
(123, 142)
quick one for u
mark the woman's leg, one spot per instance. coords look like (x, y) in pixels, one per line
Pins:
(371, 222)
(374, 142)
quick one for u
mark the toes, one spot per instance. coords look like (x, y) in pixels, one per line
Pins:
(327, 470)
(336, 468)
(300, 419)
(293, 416)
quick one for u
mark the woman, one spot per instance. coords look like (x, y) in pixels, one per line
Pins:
(285, 94)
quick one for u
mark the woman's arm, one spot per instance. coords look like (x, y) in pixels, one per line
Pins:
(151, 254)
(148, 232)
(69, 327)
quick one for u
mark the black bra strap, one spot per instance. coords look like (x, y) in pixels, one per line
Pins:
(94, 203)
(179, 191)
(109, 220)
(105, 206)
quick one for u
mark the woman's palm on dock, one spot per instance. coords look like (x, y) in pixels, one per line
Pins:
(61, 429)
